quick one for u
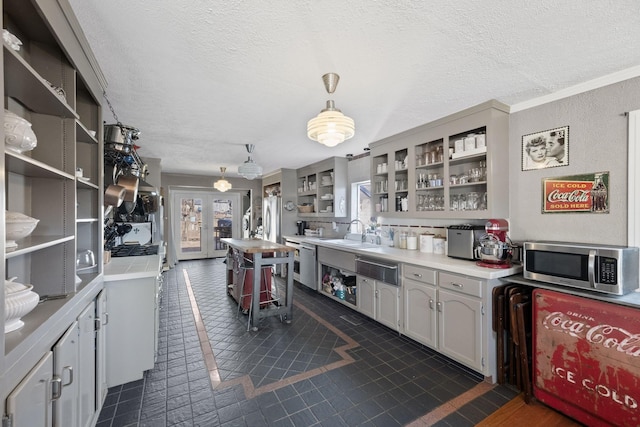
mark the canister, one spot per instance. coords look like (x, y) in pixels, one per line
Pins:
(470, 142)
(438, 245)
(412, 241)
(402, 240)
(426, 243)
(459, 145)
(481, 140)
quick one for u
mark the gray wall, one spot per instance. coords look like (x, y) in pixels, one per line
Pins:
(597, 142)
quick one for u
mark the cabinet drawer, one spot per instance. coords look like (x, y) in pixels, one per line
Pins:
(465, 285)
(420, 274)
(337, 258)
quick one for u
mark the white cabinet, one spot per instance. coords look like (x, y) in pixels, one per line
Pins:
(102, 321)
(66, 356)
(379, 300)
(133, 292)
(30, 403)
(86, 367)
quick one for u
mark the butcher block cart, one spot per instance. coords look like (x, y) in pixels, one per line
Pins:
(260, 253)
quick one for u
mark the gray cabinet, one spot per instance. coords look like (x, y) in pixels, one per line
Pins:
(379, 300)
(66, 356)
(419, 290)
(461, 331)
(425, 172)
(323, 186)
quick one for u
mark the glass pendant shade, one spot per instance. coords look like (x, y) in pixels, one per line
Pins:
(249, 169)
(222, 184)
(330, 127)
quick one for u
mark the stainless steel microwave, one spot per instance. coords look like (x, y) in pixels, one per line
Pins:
(601, 268)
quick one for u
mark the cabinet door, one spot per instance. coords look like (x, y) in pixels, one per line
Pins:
(366, 296)
(420, 312)
(30, 402)
(65, 361)
(388, 305)
(101, 352)
(460, 330)
(87, 365)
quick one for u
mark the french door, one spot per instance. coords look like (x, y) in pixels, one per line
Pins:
(201, 219)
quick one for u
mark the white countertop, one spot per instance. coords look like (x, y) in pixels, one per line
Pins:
(132, 267)
(415, 257)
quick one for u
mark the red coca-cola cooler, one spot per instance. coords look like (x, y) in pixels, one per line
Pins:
(586, 357)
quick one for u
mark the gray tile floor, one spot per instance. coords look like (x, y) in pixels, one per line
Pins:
(329, 367)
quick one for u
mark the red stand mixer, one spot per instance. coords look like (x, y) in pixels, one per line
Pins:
(495, 250)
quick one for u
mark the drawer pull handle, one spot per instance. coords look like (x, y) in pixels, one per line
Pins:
(439, 305)
(417, 274)
(431, 303)
(457, 285)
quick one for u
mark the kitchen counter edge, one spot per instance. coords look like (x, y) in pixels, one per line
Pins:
(415, 257)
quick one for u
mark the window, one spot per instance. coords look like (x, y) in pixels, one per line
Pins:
(361, 201)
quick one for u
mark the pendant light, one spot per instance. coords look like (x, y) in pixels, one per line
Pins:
(330, 127)
(222, 184)
(249, 169)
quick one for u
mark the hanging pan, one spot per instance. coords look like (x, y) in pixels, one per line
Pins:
(130, 183)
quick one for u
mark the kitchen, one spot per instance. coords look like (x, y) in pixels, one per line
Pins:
(594, 113)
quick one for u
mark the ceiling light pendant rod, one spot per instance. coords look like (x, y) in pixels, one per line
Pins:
(330, 127)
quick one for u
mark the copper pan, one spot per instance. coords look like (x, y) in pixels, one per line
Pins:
(114, 195)
(130, 183)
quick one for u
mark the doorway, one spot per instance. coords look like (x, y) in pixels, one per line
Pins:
(201, 219)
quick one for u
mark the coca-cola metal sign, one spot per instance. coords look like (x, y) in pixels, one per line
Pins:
(587, 358)
(579, 193)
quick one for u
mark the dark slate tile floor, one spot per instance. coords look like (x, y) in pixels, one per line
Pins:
(320, 370)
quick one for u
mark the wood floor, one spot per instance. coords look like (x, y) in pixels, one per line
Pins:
(535, 414)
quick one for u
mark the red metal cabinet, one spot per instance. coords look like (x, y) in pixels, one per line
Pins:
(587, 358)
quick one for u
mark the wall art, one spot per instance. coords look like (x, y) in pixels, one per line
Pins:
(586, 193)
(546, 149)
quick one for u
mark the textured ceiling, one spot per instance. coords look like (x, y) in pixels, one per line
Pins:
(201, 79)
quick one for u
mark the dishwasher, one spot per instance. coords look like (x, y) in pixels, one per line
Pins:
(308, 266)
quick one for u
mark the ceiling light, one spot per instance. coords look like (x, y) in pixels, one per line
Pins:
(249, 169)
(222, 184)
(330, 127)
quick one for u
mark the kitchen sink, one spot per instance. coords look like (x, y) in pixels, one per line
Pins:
(349, 243)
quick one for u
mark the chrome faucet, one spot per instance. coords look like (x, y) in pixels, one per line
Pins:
(364, 229)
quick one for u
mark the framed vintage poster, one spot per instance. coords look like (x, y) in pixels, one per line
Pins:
(577, 193)
(546, 149)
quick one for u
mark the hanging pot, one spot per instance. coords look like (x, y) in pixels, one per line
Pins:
(130, 183)
(114, 195)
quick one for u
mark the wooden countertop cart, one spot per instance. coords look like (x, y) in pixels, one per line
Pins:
(282, 254)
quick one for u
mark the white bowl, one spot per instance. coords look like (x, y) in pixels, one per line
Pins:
(18, 226)
(18, 135)
(17, 303)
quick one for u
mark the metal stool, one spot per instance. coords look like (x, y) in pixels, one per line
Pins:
(272, 292)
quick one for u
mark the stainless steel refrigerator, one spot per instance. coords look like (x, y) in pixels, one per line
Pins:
(272, 219)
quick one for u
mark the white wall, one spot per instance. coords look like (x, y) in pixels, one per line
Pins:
(597, 142)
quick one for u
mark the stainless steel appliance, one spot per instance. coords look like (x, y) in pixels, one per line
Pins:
(301, 225)
(463, 239)
(600, 268)
(271, 219)
(304, 263)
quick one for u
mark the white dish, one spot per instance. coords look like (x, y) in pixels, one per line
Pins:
(18, 226)
(18, 135)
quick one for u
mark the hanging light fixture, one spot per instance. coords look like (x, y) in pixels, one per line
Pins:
(330, 127)
(249, 169)
(222, 184)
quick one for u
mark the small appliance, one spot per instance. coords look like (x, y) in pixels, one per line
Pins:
(463, 239)
(495, 247)
(301, 225)
(601, 268)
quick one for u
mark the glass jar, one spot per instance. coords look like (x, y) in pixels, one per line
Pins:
(473, 199)
(402, 240)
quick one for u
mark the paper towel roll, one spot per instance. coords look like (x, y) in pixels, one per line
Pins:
(426, 243)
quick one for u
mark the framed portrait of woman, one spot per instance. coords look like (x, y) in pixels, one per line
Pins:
(546, 149)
